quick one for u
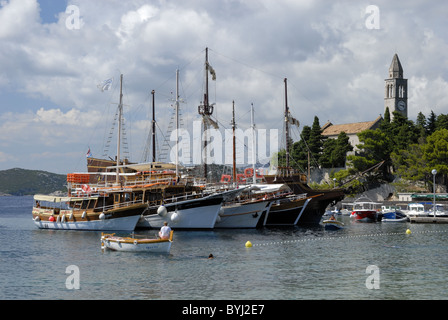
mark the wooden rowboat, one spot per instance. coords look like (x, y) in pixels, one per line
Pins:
(112, 242)
(333, 224)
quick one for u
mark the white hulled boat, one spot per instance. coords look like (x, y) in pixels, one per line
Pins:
(416, 210)
(197, 213)
(87, 213)
(132, 244)
(244, 214)
(439, 211)
(89, 207)
(366, 211)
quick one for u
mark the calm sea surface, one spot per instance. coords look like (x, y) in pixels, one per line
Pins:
(283, 264)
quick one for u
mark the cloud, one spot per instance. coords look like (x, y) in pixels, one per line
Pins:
(335, 65)
(18, 18)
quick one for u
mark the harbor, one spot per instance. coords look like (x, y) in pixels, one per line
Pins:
(293, 263)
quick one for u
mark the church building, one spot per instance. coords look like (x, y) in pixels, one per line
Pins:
(396, 99)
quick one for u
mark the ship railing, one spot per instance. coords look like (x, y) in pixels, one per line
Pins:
(118, 205)
(95, 189)
(184, 197)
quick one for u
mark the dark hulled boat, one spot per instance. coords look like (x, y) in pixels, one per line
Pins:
(321, 198)
(298, 181)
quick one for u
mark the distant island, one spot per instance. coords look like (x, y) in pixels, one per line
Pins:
(22, 182)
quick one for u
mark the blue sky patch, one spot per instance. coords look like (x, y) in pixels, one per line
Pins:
(49, 9)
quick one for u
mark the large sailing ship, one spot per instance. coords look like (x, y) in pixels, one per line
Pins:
(170, 197)
(90, 206)
(297, 181)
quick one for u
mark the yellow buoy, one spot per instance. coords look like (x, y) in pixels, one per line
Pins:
(408, 231)
(248, 244)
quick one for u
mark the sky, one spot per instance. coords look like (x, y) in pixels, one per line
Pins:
(335, 55)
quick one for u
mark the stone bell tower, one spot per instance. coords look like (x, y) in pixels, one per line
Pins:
(396, 95)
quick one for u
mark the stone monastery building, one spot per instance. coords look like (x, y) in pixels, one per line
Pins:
(395, 98)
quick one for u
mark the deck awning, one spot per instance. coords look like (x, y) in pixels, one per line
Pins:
(429, 196)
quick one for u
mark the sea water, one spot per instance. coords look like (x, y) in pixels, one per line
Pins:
(362, 261)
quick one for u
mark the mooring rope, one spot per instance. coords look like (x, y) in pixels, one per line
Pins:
(407, 233)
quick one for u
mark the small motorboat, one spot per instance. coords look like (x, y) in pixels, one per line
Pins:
(394, 216)
(332, 224)
(112, 242)
(417, 210)
(365, 211)
(439, 211)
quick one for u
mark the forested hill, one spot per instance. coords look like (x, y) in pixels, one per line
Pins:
(20, 182)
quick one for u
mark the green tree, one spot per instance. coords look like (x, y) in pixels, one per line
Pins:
(335, 151)
(431, 123)
(442, 122)
(402, 133)
(410, 163)
(375, 147)
(316, 141)
(299, 152)
(421, 124)
(435, 152)
(385, 125)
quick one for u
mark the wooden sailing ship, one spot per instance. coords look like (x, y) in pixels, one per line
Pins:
(90, 207)
(297, 181)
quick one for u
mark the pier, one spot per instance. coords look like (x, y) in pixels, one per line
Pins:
(428, 219)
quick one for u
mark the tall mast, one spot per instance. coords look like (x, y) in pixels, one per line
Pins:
(234, 143)
(254, 160)
(177, 123)
(120, 114)
(205, 111)
(286, 123)
(206, 102)
(153, 128)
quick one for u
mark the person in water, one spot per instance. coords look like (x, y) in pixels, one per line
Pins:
(165, 231)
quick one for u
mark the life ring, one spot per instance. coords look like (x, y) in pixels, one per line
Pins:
(249, 172)
(225, 178)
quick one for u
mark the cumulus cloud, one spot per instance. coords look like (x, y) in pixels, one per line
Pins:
(18, 18)
(335, 65)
